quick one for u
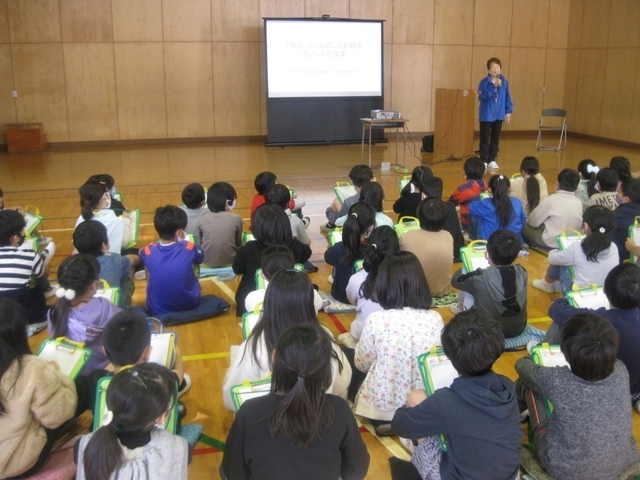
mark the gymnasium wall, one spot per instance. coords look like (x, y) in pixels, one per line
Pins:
(96, 70)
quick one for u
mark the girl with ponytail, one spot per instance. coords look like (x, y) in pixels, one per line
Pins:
(531, 187)
(591, 259)
(588, 170)
(343, 255)
(382, 242)
(129, 445)
(297, 430)
(78, 314)
(95, 203)
(497, 212)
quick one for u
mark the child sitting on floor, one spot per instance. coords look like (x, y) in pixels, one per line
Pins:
(592, 258)
(470, 190)
(500, 211)
(626, 213)
(359, 176)
(500, 290)
(432, 245)
(622, 288)
(372, 194)
(36, 398)
(587, 171)
(173, 290)
(478, 413)
(263, 182)
(218, 231)
(607, 181)
(530, 193)
(343, 255)
(129, 444)
(193, 200)
(115, 269)
(18, 265)
(432, 188)
(281, 196)
(589, 434)
(410, 196)
(126, 342)
(393, 338)
(273, 259)
(78, 314)
(555, 213)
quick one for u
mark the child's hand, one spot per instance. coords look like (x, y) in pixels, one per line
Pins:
(126, 215)
(416, 397)
(631, 246)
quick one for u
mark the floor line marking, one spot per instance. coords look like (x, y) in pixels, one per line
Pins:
(336, 321)
(205, 356)
(225, 289)
(395, 449)
(539, 320)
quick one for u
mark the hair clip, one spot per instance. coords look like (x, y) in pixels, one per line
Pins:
(135, 375)
(592, 168)
(501, 177)
(69, 294)
(354, 214)
(107, 418)
(293, 270)
(601, 230)
(301, 375)
(374, 246)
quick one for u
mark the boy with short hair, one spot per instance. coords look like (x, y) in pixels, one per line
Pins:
(622, 288)
(281, 196)
(470, 190)
(629, 208)
(17, 265)
(173, 290)
(263, 182)
(218, 231)
(500, 290)
(589, 434)
(432, 245)
(193, 199)
(431, 187)
(555, 213)
(478, 413)
(127, 341)
(359, 176)
(115, 269)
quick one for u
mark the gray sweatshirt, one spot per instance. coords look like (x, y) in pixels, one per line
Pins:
(589, 435)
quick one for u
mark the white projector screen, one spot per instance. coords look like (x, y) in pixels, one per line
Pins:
(323, 58)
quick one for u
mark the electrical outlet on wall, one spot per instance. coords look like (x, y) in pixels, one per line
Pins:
(14, 93)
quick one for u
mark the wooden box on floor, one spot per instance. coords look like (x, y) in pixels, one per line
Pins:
(26, 137)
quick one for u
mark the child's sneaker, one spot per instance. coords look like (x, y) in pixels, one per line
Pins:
(542, 284)
(49, 252)
(637, 405)
(455, 309)
(493, 165)
(140, 275)
(330, 279)
(306, 221)
(531, 344)
(185, 385)
(327, 227)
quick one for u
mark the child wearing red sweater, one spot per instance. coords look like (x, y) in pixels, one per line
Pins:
(470, 190)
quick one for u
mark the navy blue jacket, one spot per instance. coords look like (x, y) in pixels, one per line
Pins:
(480, 417)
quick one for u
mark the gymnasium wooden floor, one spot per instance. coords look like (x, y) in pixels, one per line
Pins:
(150, 176)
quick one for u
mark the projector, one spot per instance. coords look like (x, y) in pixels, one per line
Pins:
(385, 115)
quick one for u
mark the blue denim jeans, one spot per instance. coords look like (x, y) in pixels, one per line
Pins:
(557, 272)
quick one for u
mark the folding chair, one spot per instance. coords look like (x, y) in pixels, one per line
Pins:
(559, 125)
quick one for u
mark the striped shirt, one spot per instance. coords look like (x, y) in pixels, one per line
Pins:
(17, 266)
